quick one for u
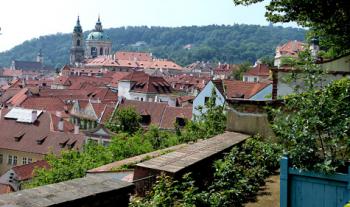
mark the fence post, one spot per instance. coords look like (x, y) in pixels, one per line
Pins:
(284, 181)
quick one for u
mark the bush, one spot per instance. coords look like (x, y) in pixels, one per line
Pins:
(314, 127)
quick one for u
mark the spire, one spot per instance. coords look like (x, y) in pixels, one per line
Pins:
(77, 27)
(98, 26)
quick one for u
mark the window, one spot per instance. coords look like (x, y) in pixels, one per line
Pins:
(9, 160)
(255, 79)
(181, 122)
(145, 119)
(14, 160)
(24, 160)
(1, 158)
(206, 99)
(246, 79)
(141, 99)
(101, 51)
(29, 160)
(105, 143)
(93, 52)
(78, 42)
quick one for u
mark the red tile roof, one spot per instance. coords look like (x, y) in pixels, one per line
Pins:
(17, 99)
(291, 48)
(65, 94)
(62, 80)
(241, 89)
(258, 70)
(144, 83)
(161, 114)
(107, 113)
(154, 109)
(171, 113)
(117, 76)
(25, 172)
(67, 126)
(166, 64)
(36, 138)
(11, 72)
(134, 56)
(44, 103)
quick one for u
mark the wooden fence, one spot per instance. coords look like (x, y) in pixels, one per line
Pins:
(304, 188)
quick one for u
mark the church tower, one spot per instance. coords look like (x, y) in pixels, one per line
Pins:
(97, 42)
(77, 49)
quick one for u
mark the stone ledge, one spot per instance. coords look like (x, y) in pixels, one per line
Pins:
(88, 191)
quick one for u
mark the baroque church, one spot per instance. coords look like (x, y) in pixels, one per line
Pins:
(96, 44)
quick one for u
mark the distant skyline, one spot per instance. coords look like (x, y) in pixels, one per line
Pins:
(23, 20)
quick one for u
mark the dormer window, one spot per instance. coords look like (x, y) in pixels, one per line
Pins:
(145, 119)
(19, 136)
(71, 145)
(63, 144)
(41, 140)
(181, 122)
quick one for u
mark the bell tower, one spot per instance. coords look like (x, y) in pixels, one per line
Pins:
(77, 49)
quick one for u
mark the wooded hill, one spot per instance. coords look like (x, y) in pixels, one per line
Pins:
(230, 44)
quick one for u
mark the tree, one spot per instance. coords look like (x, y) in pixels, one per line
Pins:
(242, 68)
(314, 127)
(71, 164)
(124, 120)
(210, 121)
(328, 19)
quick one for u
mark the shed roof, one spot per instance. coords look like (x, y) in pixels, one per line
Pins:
(184, 157)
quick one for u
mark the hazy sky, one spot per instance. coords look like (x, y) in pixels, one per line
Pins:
(22, 20)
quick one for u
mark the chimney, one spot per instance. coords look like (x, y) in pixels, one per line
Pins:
(34, 116)
(60, 125)
(76, 129)
(274, 84)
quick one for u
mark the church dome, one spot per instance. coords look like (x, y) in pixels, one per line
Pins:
(95, 35)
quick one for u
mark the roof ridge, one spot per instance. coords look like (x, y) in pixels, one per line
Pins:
(162, 116)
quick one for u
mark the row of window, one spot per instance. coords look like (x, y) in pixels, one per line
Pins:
(13, 160)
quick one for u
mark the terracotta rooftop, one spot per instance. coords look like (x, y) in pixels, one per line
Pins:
(37, 137)
(258, 70)
(44, 103)
(134, 56)
(291, 48)
(182, 158)
(170, 115)
(25, 172)
(154, 109)
(241, 89)
(166, 64)
(17, 99)
(145, 83)
(161, 114)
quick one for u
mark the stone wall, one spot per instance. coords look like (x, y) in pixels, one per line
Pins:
(250, 117)
(89, 191)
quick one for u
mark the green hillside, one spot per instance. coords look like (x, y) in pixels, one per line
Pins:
(231, 44)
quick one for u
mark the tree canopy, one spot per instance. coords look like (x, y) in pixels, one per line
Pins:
(224, 43)
(328, 19)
